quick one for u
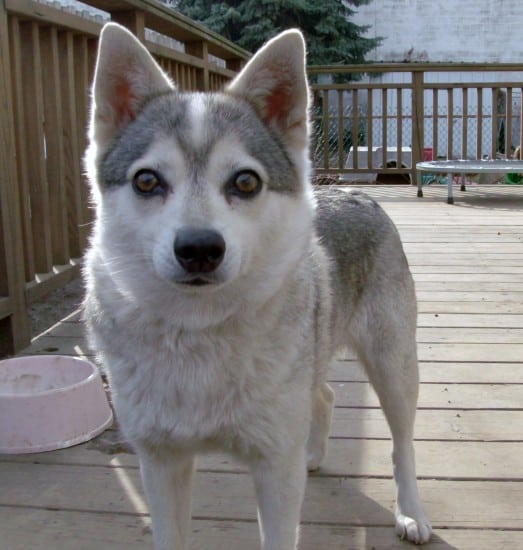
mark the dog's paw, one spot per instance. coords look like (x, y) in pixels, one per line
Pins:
(416, 531)
(313, 462)
(314, 459)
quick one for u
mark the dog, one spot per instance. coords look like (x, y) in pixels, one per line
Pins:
(220, 286)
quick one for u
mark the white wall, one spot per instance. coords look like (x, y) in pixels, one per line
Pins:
(445, 30)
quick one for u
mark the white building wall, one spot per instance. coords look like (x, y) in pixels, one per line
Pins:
(444, 30)
(478, 31)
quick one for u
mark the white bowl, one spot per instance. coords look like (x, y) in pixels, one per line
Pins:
(50, 402)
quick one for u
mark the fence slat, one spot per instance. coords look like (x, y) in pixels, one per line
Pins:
(464, 122)
(22, 151)
(508, 126)
(35, 144)
(479, 124)
(354, 129)
(54, 145)
(435, 123)
(520, 144)
(341, 127)
(384, 124)
(399, 127)
(370, 120)
(14, 322)
(494, 122)
(325, 122)
(72, 170)
(82, 75)
(450, 122)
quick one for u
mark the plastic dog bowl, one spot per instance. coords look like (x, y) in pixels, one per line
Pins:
(50, 402)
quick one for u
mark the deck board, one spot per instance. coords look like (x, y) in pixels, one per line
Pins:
(467, 261)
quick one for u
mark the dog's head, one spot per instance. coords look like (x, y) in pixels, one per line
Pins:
(195, 191)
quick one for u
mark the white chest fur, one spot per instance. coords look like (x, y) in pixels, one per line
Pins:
(225, 386)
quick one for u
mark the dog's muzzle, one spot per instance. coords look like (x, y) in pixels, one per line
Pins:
(199, 250)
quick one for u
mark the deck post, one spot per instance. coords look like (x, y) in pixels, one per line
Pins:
(417, 123)
(134, 20)
(14, 321)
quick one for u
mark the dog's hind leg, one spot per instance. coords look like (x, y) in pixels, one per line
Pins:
(279, 481)
(385, 341)
(167, 479)
(322, 404)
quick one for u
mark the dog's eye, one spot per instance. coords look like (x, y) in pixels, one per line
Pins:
(246, 184)
(147, 183)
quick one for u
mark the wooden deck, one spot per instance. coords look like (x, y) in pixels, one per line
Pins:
(467, 261)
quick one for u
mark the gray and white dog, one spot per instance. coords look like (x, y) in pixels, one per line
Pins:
(220, 286)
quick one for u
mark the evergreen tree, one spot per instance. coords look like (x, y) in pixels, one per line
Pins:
(331, 37)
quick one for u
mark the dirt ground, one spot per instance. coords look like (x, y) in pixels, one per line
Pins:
(55, 307)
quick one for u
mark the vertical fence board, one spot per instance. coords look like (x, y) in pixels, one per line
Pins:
(82, 79)
(200, 76)
(450, 122)
(418, 121)
(14, 328)
(54, 145)
(341, 148)
(384, 124)
(70, 141)
(520, 142)
(435, 122)
(354, 130)
(21, 149)
(399, 126)
(325, 125)
(370, 120)
(479, 123)
(35, 144)
(508, 124)
(464, 122)
(494, 122)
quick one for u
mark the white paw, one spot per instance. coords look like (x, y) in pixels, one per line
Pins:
(314, 461)
(416, 531)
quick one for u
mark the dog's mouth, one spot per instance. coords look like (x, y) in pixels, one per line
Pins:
(196, 281)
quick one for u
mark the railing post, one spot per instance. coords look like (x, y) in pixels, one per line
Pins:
(14, 327)
(200, 49)
(235, 64)
(134, 20)
(417, 122)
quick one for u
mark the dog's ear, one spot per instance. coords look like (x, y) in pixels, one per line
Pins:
(274, 82)
(126, 76)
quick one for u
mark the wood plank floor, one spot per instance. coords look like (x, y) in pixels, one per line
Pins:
(467, 261)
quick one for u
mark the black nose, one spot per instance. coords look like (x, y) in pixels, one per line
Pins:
(199, 250)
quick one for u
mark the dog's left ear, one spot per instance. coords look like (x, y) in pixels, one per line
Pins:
(274, 82)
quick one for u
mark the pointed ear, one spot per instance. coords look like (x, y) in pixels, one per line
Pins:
(275, 83)
(126, 76)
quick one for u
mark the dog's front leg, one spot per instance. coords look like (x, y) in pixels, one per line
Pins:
(167, 479)
(280, 485)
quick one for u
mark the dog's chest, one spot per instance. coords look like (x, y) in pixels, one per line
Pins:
(204, 387)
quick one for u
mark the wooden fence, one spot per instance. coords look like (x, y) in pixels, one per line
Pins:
(390, 116)
(46, 63)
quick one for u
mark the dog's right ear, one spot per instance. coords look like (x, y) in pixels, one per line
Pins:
(126, 76)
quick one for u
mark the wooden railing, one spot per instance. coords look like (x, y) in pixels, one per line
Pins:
(394, 115)
(46, 63)
(401, 114)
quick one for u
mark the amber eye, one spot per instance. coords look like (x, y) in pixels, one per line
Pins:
(148, 183)
(246, 184)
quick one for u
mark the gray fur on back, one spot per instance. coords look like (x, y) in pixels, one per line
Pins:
(362, 244)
